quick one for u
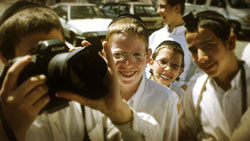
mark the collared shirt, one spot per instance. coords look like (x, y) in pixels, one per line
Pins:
(174, 86)
(220, 111)
(177, 35)
(246, 54)
(155, 118)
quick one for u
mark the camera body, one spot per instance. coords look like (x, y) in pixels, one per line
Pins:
(80, 71)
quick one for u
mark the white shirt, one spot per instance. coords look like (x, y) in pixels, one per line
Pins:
(149, 99)
(174, 86)
(177, 35)
(246, 54)
(220, 111)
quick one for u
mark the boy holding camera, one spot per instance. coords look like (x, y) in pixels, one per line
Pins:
(25, 24)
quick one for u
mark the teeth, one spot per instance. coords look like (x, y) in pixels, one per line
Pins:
(127, 73)
(165, 77)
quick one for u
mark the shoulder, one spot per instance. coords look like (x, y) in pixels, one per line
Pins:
(247, 71)
(177, 88)
(158, 32)
(246, 54)
(194, 88)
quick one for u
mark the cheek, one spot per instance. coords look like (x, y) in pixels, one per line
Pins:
(176, 74)
(155, 67)
(118, 64)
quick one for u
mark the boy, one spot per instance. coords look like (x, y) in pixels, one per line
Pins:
(167, 64)
(214, 104)
(127, 39)
(24, 102)
(171, 12)
(23, 25)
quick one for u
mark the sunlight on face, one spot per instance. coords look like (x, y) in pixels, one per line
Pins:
(208, 51)
(130, 71)
(166, 67)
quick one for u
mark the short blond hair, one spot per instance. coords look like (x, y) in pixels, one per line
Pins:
(126, 24)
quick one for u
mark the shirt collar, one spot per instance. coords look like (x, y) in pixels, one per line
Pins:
(235, 82)
(177, 30)
(138, 94)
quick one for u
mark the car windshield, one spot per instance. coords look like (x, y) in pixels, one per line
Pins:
(239, 4)
(145, 10)
(83, 12)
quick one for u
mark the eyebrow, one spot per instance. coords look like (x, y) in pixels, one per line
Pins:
(206, 41)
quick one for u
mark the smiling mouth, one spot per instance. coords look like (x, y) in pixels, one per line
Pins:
(128, 74)
(165, 77)
(208, 67)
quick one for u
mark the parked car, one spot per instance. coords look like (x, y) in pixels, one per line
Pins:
(82, 21)
(236, 11)
(146, 11)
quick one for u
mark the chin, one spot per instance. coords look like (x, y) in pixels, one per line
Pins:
(165, 83)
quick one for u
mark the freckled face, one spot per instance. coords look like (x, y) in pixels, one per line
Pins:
(129, 71)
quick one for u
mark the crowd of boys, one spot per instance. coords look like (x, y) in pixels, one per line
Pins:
(178, 103)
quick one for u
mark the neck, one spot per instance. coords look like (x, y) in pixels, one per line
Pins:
(128, 90)
(179, 21)
(224, 80)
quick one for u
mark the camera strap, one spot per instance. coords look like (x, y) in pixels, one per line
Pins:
(86, 135)
(10, 134)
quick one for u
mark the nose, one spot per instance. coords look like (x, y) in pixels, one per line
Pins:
(167, 68)
(202, 56)
(128, 59)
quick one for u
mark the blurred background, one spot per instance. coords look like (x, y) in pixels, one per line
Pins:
(88, 19)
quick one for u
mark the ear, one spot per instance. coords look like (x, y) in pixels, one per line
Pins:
(231, 42)
(149, 52)
(104, 44)
(177, 8)
(151, 62)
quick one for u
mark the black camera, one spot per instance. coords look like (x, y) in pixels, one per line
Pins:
(81, 71)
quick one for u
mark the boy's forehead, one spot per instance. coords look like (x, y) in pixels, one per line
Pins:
(127, 40)
(162, 2)
(202, 36)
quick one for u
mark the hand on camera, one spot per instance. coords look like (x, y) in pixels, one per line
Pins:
(21, 104)
(112, 104)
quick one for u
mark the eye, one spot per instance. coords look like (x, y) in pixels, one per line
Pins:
(138, 55)
(174, 66)
(162, 62)
(209, 47)
(118, 55)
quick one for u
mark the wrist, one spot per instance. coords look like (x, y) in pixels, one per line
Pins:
(3, 135)
(8, 132)
(122, 114)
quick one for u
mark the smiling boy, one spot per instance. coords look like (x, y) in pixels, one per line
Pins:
(214, 104)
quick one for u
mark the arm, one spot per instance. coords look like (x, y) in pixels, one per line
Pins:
(21, 104)
(112, 105)
(2, 134)
(141, 127)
